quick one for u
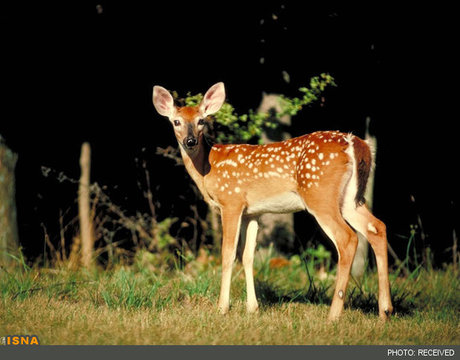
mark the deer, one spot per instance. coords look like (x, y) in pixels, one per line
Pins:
(324, 173)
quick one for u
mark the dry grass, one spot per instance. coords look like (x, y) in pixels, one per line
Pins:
(196, 322)
(130, 305)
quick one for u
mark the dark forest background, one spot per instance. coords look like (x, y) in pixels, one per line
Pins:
(72, 73)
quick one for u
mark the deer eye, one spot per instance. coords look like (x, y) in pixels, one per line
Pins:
(176, 122)
(201, 122)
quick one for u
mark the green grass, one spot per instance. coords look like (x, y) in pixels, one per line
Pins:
(142, 304)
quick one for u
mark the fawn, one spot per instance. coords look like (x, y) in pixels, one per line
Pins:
(325, 173)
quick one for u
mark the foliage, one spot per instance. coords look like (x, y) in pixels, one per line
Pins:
(234, 128)
(316, 258)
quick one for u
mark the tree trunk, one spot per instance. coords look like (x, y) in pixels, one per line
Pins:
(275, 227)
(8, 224)
(84, 210)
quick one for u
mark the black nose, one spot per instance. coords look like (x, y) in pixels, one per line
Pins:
(190, 142)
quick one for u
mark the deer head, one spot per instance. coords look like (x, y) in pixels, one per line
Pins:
(188, 121)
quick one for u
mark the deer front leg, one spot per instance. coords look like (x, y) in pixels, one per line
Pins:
(250, 234)
(231, 222)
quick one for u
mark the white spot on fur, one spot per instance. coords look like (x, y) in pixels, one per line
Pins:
(371, 228)
(228, 162)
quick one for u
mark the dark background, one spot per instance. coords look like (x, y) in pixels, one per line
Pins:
(74, 73)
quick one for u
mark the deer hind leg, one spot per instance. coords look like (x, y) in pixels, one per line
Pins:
(249, 229)
(231, 222)
(362, 220)
(346, 241)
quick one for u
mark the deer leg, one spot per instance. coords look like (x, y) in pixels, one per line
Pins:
(346, 241)
(250, 234)
(231, 222)
(374, 230)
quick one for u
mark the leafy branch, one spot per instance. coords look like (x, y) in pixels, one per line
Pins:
(231, 127)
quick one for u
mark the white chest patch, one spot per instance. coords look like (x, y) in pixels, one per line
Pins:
(280, 204)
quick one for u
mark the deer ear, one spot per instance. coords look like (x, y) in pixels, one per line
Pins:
(163, 101)
(213, 99)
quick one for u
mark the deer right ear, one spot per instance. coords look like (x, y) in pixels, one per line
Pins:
(213, 99)
(163, 101)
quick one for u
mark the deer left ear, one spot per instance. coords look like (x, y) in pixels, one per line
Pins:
(213, 99)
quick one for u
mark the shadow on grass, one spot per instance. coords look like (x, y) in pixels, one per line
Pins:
(268, 294)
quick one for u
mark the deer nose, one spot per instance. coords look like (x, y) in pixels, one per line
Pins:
(190, 142)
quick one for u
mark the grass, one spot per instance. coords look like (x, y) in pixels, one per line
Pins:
(142, 304)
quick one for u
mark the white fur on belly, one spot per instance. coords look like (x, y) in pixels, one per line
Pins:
(280, 204)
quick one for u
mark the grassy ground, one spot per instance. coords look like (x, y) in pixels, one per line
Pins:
(140, 304)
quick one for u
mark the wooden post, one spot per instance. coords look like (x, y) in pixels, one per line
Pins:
(8, 224)
(84, 210)
(455, 253)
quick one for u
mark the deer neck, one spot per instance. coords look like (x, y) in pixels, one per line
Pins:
(197, 164)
